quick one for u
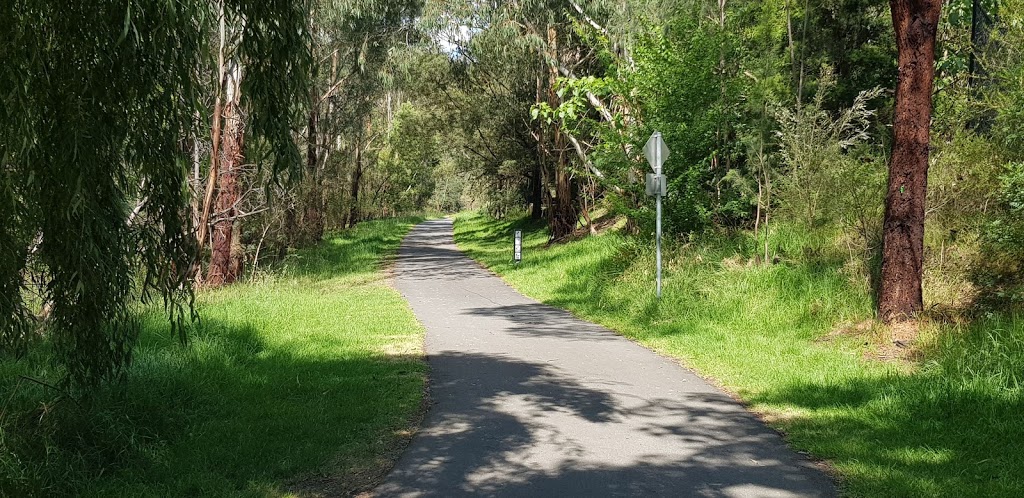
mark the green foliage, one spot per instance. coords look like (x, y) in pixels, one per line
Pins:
(1006, 94)
(275, 41)
(1001, 263)
(101, 98)
(405, 165)
(684, 95)
(826, 180)
(313, 371)
(449, 186)
(855, 37)
(1001, 269)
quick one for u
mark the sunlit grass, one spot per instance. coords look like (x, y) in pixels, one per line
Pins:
(948, 426)
(307, 378)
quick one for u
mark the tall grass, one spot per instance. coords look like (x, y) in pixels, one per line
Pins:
(306, 378)
(948, 425)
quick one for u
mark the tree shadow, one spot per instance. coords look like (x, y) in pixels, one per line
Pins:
(539, 320)
(421, 258)
(505, 426)
(230, 414)
(494, 431)
(911, 435)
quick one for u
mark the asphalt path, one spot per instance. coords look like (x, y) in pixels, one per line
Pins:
(528, 400)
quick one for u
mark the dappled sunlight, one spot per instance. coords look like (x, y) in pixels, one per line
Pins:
(530, 400)
(525, 449)
(901, 434)
(891, 431)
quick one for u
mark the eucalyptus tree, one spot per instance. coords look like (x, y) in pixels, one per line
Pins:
(99, 103)
(915, 23)
(545, 32)
(355, 42)
(484, 82)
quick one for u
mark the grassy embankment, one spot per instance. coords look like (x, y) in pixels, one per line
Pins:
(306, 379)
(950, 424)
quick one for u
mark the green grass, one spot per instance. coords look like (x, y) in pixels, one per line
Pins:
(949, 426)
(304, 380)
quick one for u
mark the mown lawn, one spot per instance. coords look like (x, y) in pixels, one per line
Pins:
(306, 380)
(948, 425)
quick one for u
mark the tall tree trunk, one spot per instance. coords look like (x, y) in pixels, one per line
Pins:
(203, 226)
(221, 270)
(564, 215)
(357, 176)
(537, 191)
(538, 187)
(981, 24)
(915, 23)
(237, 263)
(312, 217)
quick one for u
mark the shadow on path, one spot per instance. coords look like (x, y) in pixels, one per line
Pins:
(531, 401)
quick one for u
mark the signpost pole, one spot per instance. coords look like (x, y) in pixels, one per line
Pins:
(657, 229)
(656, 153)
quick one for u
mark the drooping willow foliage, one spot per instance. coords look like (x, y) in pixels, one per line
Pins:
(97, 105)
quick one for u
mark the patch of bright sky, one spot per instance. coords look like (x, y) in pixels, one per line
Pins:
(454, 40)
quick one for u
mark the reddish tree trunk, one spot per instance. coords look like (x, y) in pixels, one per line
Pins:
(915, 23)
(226, 267)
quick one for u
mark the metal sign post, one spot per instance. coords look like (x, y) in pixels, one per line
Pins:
(517, 247)
(656, 153)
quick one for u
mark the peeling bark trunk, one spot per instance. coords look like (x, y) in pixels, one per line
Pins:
(237, 263)
(564, 214)
(203, 226)
(222, 270)
(900, 297)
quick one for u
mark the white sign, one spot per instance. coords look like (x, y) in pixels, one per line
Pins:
(517, 247)
(656, 151)
(656, 185)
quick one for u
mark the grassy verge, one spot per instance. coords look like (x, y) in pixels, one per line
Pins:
(948, 425)
(304, 380)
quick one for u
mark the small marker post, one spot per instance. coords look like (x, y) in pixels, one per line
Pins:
(517, 247)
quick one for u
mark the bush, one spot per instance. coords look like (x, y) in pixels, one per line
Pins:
(1000, 271)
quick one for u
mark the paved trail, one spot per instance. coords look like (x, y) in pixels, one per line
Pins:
(530, 401)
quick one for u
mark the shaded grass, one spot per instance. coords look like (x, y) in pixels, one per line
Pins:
(305, 379)
(950, 426)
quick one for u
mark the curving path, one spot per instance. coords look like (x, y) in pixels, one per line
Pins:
(531, 401)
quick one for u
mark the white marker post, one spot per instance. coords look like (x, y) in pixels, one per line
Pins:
(517, 247)
(656, 153)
